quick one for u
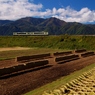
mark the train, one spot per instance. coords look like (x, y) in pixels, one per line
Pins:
(30, 33)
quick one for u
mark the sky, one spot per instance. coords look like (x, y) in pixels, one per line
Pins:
(82, 11)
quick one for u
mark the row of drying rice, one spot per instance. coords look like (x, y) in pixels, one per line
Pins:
(83, 85)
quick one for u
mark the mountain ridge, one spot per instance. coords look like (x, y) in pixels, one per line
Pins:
(51, 25)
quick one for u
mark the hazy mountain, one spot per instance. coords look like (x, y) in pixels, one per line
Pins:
(4, 22)
(52, 25)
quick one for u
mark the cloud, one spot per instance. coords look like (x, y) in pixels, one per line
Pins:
(15, 9)
(70, 15)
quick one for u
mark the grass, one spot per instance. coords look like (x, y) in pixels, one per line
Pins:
(60, 42)
(59, 82)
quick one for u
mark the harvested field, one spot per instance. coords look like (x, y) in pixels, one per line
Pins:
(17, 85)
(27, 63)
(83, 85)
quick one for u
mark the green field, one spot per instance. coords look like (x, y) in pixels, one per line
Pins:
(57, 42)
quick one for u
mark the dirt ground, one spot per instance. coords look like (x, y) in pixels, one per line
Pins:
(20, 84)
(13, 48)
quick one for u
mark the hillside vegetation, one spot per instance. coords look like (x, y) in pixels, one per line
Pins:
(57, 42)
(51, 25)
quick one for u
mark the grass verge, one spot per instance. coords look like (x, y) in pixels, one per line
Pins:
(60, 81)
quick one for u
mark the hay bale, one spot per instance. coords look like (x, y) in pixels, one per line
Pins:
(62, 59)
(21, 68)
(62, 53)
(6, 71)
(32, 57)
(80, 50)
(87, 54)
(36, 63)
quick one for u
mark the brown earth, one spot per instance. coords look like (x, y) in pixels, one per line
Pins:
(14, 48)
(20, 84)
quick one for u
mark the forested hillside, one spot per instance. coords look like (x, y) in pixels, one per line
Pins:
(52, 25)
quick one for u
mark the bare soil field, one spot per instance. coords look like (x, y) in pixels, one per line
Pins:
(13, 48)
(22, 83)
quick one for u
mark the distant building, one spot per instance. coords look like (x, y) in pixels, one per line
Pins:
(30, 33)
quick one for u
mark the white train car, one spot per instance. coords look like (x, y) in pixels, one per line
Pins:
(30, 33)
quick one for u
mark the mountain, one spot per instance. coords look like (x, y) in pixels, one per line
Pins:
(4, 22)
(52, 25)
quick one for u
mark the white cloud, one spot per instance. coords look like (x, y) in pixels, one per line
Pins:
(71, 15)
(15, 9)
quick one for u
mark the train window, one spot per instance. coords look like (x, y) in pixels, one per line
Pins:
(21, 33)
(38, 33)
